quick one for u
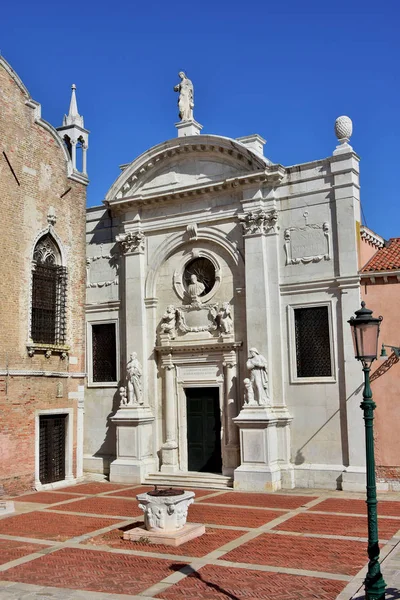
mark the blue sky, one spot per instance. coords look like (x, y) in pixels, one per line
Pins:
(284, 70)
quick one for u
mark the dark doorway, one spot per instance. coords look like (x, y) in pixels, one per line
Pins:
(52, 448)
(203, 430)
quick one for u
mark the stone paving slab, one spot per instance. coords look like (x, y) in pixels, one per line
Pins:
(46, 497)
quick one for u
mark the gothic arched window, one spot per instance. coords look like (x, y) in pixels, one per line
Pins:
(49, 280)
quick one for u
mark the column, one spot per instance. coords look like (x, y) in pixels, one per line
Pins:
(73, 153)
(84, 158)
(170, 447)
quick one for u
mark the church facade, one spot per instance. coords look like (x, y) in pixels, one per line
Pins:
(219, 286)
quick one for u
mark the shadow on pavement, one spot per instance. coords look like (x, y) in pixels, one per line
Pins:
(190, 572)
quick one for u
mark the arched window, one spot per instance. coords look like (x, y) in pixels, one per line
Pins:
(49, 280)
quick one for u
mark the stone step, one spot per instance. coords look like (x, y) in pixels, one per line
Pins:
(190, 479)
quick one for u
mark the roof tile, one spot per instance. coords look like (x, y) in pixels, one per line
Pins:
(386, 259)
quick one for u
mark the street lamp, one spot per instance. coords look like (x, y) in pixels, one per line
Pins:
(365, 330)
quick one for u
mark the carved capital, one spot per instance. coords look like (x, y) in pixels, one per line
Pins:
(132, 242)
(260, 221)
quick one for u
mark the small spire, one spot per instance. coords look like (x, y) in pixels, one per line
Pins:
(73, 117)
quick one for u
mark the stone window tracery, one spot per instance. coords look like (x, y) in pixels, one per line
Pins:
(49, 279)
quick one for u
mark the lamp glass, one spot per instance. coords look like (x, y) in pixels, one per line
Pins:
(365, 340)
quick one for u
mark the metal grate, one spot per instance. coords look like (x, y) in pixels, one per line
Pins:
(104, 351)
(52, 448)
(204, 271)
(48, 304)
(313, 351)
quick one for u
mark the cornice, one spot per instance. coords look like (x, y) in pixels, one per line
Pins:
(33, 373)
(273, 175)
(370, 236)
(197, 346)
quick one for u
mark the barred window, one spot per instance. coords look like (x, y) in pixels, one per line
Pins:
(104, 353)
(49, 283)
(313, 349)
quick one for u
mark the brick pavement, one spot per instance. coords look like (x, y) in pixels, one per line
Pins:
(283, 546)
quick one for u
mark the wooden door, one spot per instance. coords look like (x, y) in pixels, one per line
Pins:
(204, 430)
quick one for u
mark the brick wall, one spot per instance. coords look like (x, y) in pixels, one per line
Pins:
(40, 166)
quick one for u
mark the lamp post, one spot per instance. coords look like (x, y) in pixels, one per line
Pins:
(365, 330)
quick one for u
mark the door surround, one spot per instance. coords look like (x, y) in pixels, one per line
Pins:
(69, 446)
(196, 374)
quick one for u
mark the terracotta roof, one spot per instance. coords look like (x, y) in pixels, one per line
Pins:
(386, 259)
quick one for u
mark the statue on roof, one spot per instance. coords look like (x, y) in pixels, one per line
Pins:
(185, 100)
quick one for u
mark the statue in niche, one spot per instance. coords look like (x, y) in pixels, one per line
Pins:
(224, 319)
(185, 101)
(134, 381)
(168, 324)
(257, 365)
(248, 392)
(195, 289)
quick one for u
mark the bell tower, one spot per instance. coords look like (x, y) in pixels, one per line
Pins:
(74, 134)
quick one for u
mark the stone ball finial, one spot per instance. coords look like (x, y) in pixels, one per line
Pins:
(343, 128)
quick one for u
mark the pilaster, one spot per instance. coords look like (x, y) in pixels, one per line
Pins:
(346, 190)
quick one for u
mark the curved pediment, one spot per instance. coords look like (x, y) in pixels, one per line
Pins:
(184, 163)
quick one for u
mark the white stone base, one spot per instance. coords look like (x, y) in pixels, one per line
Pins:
(259, 469)
(354, 479)
(320, 476)
(257, 479)
(97, 464)
(134, 445)
(129, 470)
(176, 538)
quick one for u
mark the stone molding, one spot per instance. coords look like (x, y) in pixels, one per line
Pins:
(259, 222)
(39, 373)
(213, 345)
(132, 242)
(295, 260)
(375, 240)
(175, 242)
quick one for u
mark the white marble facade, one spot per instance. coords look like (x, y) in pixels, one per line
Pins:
(264, 240)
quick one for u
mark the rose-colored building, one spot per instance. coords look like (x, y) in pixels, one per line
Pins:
(380, 288)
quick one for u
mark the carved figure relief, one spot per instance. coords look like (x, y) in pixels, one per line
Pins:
(131, 241)
(260, 221)
(123, 396)
(248, 392)
(195, 290)
(308, 244)
(195, 318)
(257, 365)
(224, 318)
(134, 381)
(169, 321)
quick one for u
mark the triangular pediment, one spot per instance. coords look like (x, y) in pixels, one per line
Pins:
(184, 163)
